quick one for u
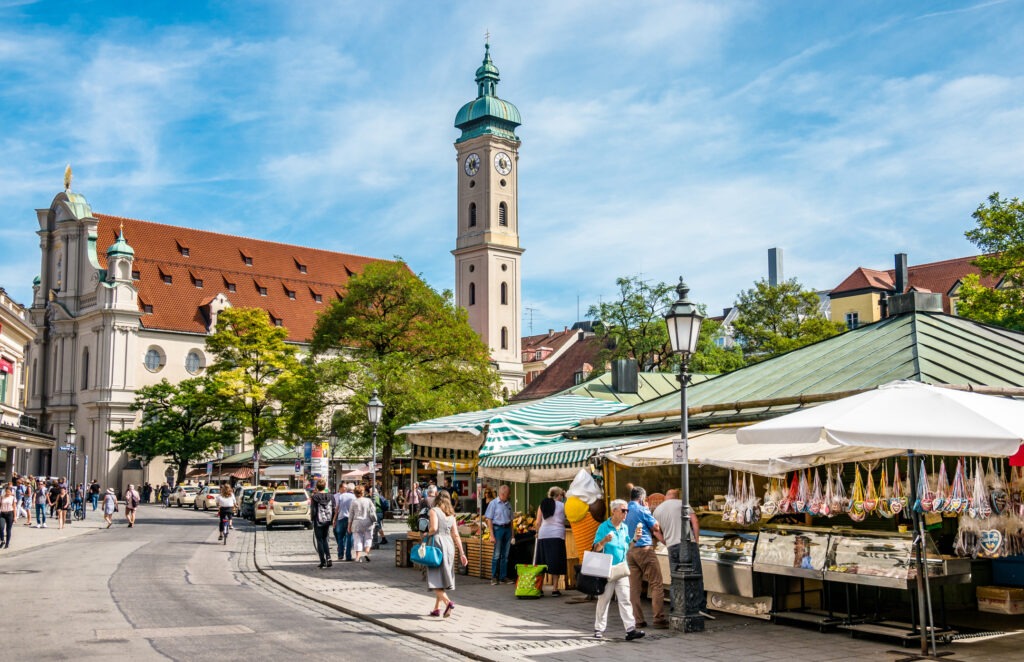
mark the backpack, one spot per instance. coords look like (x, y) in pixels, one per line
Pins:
(424, 520)
(323, 512)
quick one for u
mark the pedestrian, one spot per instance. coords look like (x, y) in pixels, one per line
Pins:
(132, 499)
(62, 506)
(643, 562)
(380, 505)
(613, 538)
(362, 518)
(412, 498)
(165, 494)
(225, 510)
(670, 518)
(550, 526)
(343, 499)
(79, 498)
(324, 517)
(8, 508)
(23, 496)
(499, 523)
(446, 538)
(94, 494)
(51, 499)
(109, 506)
(40, 499)
(147, 493)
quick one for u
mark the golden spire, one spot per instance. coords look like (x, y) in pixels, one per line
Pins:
(67, 177)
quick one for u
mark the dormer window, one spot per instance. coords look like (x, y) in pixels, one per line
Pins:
(300, 266)
(318, 298)
(166, 277)
(246, 260)
(183, 250)
(198, 282)
(276, 321)
(136, 275)
(228, 284)
(262, 290)
(147, 308)
(289, 293)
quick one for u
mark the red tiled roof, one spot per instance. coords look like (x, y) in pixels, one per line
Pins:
(215, 260)
(552, 340)
(863, 278)
(561, 374)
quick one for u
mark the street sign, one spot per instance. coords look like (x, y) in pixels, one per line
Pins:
(298, 467)
(209, 468)
(67, 449)
(678, 451)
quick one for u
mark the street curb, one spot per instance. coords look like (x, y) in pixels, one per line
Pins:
(260, 546)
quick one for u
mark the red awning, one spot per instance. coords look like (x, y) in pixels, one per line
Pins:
(6, 366)
(244, 472)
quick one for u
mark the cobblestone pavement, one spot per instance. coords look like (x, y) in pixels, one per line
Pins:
(490, 623)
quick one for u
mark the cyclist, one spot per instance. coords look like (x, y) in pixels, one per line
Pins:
(225, 509)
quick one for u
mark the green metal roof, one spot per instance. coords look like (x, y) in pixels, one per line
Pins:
(120, 247)
(919, 346)
(487, 114)
(651, 385)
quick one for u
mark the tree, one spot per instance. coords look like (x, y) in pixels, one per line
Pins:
(183, 422)
(774, 319)
(393, 333)
(634, 326)
(251, 358)
(1000, 234)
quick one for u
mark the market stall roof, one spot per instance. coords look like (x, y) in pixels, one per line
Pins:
(903, 415)
(917, 346)
(510, 427)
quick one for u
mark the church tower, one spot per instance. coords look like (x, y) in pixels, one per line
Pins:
(487, 252)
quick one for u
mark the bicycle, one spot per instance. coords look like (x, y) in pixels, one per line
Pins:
(77, 510)
(225, 524)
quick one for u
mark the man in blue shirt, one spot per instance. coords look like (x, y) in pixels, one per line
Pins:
(499, 523)
(643, 562)
(343, 499)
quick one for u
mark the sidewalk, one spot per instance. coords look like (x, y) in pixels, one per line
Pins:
(489, 623)
(24, 538)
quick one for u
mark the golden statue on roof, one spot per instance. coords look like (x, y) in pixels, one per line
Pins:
(67, 177)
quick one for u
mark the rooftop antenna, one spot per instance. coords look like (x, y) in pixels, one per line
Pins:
(531, 311)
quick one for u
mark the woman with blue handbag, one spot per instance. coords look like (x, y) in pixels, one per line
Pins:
(445, 536)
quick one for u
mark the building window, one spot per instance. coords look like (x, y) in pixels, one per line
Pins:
(166, 278)
(503, 214)
(472, 214)
(262, 290)
(301, 267)
(231, 287)
(472, 294)
(276, 321)
(504, 294)
(35, 364)
(183, 250)
(198, 282)
(504, 337)
(154, 360)
(246, 260)
(290, 293)
(852, 320)
(317, 297)
(136, 275)
(147, 308)
(193, 362)
(85, 368)
(3, 387)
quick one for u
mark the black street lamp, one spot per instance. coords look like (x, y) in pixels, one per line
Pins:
(69, 447)
(374, 411)
(683, 321)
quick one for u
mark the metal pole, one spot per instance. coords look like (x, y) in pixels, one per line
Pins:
(373, 467)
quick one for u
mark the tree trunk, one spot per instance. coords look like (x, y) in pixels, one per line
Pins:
(182, 468)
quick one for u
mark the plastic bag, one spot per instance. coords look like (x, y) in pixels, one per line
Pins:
(857, 512)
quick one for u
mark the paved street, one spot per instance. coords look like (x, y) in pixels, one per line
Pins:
(166, 590)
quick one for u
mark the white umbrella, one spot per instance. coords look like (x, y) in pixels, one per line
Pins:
(903, 415)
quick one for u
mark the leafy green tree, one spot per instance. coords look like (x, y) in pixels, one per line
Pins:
(710, 359)
(777, 319)
(393, 333)
(183, 422)
(251, 358)
(1000, 234)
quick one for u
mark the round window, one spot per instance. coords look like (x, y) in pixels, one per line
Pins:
(193, 362)
(154, 359)
(503, 182)
(472, 183)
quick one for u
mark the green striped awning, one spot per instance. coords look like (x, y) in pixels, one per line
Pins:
(560, 454)
(542, 422)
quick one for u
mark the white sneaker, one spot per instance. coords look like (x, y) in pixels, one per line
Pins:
(44, 525)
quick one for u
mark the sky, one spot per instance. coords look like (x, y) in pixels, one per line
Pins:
(659, 139)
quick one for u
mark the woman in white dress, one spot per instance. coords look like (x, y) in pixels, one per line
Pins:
(362, 518)
(446, 538)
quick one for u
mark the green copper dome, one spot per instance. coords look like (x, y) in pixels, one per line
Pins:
(120, 247)
(487, 114)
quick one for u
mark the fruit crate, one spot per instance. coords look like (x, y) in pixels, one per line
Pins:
(402, 551)
(479, 553)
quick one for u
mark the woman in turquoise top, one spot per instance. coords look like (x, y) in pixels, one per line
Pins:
(613, 538)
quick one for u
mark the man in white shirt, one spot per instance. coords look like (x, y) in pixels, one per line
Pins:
(670, 518)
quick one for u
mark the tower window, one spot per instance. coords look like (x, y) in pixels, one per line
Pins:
(472, 294)
(472, 214)
(504, 294)
(504, 337)
(85, 368)
(503, 214)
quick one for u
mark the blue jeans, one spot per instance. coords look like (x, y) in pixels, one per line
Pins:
(502, 542)
(344, 539)
(40, 513)
(95, 498)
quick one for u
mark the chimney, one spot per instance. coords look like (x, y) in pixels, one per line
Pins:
(775, 266)
(902, 276)
(624, 376)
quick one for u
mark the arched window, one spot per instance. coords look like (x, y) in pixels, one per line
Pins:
(504, 294)
(472, 214)
(504, 337)
(472, 294)
(85, 368)
(503, 214)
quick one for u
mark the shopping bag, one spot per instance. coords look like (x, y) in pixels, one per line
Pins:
(588, 585)
(530, 580)
(596, 564)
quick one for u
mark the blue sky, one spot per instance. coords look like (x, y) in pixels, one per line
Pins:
(659, 138)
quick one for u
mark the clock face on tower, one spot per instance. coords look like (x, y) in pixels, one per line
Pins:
(472, 165)
(502, 163)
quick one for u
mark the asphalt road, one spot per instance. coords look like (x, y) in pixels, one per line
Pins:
(167, 590)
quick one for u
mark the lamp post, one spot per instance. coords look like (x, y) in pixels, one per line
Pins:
(69, 447)
(374, 411)
(683, 321)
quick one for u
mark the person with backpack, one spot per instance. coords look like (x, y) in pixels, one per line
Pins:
(324, 518)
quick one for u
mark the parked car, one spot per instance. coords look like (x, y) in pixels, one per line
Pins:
(261, 504)
(289, 507)
(244, 501)
(183, 495)
(207, 499)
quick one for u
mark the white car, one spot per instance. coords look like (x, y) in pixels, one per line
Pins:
(207, 499)
(183, 495)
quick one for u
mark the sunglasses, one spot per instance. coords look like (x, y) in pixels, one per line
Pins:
(623, 510)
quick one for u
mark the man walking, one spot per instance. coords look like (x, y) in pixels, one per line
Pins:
(642, 561)
(670, 518)
(41, 496)
(499, 522)
(94, 494)
(324, 517)
(343, 499)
